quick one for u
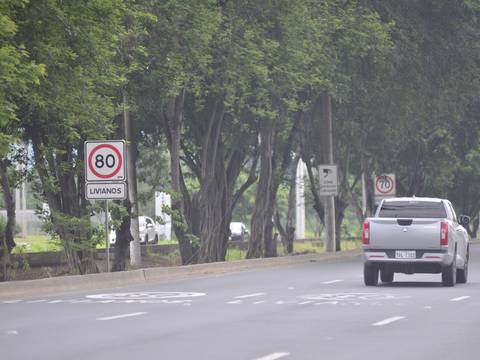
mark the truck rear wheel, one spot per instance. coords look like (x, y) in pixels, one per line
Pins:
(386, 276)
(449, 274)
(370, 275)
(462, 274)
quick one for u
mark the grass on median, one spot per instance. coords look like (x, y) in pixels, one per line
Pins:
(304, 247)
(35, 243)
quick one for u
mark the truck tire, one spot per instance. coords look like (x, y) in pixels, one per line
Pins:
(370, 275)
(462, 274)
(386, 276)
(449, 273)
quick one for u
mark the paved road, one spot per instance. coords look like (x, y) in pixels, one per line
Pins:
(318, 310)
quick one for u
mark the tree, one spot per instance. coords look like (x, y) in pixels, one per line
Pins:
(18, 74)
(346, 34)
(76, 42)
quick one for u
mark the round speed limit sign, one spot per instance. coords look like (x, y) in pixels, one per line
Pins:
(104, 160)
(385, 185)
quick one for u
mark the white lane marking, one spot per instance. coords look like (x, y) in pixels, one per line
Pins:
(291, 288)
(55, 301)
(35, 301)
(327, 303)
(331, 282)
(274, 356)
(249, 296)
(305, 302)
(460, 298)
(259, 302)
(428, 307)
(388, 321)
(12, 332)
(121, 316)
(235, 302)
(12, 301)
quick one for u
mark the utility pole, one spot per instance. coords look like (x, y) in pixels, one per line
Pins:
(329, 200)
(300, 201)
(135, 254)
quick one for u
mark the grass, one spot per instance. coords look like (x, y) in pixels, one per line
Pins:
(43, 243)
(234, 254)
(35, 243)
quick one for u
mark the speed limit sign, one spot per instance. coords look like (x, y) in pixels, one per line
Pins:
(385, 187)
(105, 161)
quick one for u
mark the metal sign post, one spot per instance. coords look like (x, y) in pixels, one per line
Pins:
(106, 236)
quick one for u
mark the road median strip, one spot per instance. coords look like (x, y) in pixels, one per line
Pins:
(78, 283)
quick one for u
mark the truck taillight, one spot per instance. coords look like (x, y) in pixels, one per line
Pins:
(366, 233)
(444, 233)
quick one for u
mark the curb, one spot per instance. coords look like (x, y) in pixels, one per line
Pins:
(78, 283)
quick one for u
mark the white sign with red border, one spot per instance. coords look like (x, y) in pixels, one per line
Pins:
(105, 161)
(105, 170)
(385, 187)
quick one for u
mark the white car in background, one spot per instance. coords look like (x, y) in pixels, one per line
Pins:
(238, 231)
(149, 231)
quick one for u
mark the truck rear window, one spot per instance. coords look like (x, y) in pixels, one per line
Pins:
(412, 209)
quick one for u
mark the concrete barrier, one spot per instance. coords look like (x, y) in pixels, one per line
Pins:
(77, 283)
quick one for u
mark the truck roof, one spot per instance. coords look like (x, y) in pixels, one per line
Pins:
(414, 199)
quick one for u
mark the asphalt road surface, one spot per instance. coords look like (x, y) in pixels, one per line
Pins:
(319, 310)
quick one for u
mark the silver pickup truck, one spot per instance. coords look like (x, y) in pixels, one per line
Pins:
(415, 235)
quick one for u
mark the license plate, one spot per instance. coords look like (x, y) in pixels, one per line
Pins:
(405, 254)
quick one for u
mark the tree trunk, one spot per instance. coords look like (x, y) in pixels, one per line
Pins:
(8, 243)
(131, 150)
(287, 233)
(290, 225)
(174, 124)
(215, 195)
(122, 243)
(259, 245)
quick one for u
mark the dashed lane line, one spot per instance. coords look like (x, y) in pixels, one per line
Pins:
(460, 298)
(234, 302)
(249, 295)
(388, 321)
(274, 356)
(331, 282)
(120, 316)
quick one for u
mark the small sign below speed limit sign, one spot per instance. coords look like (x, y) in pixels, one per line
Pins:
(105, 161)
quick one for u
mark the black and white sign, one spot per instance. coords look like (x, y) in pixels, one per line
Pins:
(328, 180)
(385, 187)
(108, 190)
(105, 161)
(105, 170)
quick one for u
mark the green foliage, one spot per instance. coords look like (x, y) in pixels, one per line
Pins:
(403, 75)
(36, 243)
(17, 72)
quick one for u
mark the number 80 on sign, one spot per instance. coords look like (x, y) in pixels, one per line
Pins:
(105, 161)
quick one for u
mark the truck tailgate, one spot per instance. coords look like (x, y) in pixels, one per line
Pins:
(415, 234)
